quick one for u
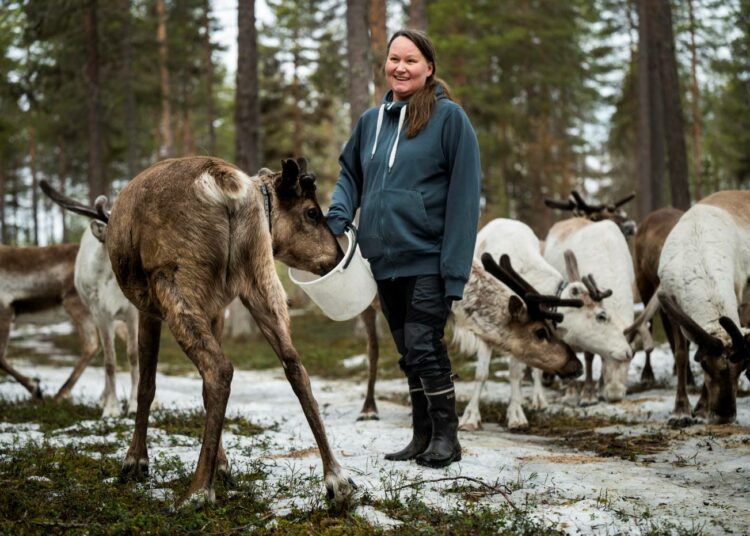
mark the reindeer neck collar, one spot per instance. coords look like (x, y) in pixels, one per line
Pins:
(266, 204)
(563, 284)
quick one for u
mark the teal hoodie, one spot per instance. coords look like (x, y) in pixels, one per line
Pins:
(419, 197)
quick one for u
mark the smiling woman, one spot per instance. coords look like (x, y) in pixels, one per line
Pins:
(407, 69)
(412, 168)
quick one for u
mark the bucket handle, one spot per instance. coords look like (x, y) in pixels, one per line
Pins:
(353, 229)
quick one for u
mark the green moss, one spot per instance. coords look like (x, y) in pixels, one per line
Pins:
(47, 414)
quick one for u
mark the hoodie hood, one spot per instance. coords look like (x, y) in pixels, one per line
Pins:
(388, 105)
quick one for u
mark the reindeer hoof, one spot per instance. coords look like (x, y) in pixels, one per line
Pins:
(683, 421)
(198, 499)
(36, 390)
(368, 416)
(518, 427)
(340, 491)
(470, 426)
(111, 409)
(134, 470)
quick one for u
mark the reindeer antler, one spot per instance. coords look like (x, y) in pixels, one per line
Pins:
(624, 200)
(560, 205)
(70, 204)
(594, 292)
(537, 305)
(585, 207)
(739, 344)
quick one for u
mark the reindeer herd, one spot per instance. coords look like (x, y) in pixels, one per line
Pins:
(187, 236)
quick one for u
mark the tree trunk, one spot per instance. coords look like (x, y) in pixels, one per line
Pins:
(61, 174)
(208, 74)
(357, 46)
(378, 43)
(657, 113)
(418, 15)
(95, 171)
(166, 148)
(673, 119)
(247, 103)
(129, 93)
(695, 97)
(3, 227)
(34, 197)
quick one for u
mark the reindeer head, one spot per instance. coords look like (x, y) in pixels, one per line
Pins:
(722, 361)
(613, 211)
(531, 315)
(591, 328)
(301, 238)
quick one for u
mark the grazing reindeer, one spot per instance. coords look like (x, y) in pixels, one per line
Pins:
(35, 280)
(186, 237)
(613, 211)
(600, 248)
(589, 328)
(649, 241)
(704, 269)
(98, 288)
(512, 318)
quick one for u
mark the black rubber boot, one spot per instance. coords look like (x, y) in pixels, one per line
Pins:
(420, 423)
(444, 447)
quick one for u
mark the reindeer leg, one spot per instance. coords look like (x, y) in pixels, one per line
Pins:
(516, 418)
(192, 329)
(89, 341)
(471, 420)
(31, 385)
(682, 414)
(267, 303)
(135, 464)
(131, 342)
(647, 374)
(590, 395)
(110, 407)
(369, 410)
(222, 465)
(690, 377)
(538, 400)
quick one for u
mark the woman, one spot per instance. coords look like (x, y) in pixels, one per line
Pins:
(412, 168)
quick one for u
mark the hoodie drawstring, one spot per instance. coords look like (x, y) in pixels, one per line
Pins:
(377, 129)
(401, 118)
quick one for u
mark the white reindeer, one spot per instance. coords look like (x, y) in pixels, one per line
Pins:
(601, 249)
(589, 328)
(704, 269)
(96, 285)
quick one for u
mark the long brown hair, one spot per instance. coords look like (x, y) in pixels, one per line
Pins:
(422, 102)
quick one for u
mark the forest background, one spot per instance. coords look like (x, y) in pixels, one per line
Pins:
(606, 96)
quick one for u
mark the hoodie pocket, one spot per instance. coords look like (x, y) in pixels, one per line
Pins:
(406, 227)
(370, 239)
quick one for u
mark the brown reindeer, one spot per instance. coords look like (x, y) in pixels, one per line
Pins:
(648, 242)
(187, 236)
(35, 280)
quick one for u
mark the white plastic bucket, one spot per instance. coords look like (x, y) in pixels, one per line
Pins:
(345, 291)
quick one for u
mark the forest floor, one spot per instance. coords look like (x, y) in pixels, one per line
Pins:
(605, 469)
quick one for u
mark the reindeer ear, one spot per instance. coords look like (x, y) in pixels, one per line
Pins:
(289, 174)
(517, 309)
(571, 266)
(302, 163)
(99, 230)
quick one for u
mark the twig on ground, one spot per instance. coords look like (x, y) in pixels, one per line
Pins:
(496, 488)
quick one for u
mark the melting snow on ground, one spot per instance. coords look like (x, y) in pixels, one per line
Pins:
(701, 482)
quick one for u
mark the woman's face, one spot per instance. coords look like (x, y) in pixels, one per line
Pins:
(406, 69)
